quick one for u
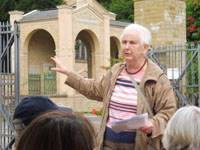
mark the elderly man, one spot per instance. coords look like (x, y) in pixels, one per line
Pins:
(120, 98)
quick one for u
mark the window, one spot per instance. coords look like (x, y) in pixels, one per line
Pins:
(81, 51)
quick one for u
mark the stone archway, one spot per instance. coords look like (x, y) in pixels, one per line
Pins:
(115, 51)
(86, 67)
(114, 47)
(41, 47)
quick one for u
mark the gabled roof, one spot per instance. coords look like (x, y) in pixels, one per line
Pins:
(119, 23)
(89, 7)
(48, 14)
(37, 15)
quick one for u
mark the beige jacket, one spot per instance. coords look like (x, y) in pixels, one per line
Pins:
(154, 85)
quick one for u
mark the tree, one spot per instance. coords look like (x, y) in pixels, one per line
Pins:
(5, 6)
(193, 20)
(193, 36)
(105, 3)
(26, 6)
(123, 8)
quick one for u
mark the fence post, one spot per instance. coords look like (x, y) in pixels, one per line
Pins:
(199, 71)
(17, 64)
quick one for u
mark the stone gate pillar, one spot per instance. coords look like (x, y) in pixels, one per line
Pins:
(14, 16)
(164, 18)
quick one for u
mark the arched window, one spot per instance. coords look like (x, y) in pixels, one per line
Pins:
(81, 52)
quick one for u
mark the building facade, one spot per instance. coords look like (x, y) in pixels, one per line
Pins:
(83, 24)
(84, 35)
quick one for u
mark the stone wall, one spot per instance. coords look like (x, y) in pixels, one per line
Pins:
(78, 103)
(165, 19)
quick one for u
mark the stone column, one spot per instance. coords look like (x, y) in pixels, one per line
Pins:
(66, 46)
(106, 48)
(164, 18)
(14, 16)
(70, 2)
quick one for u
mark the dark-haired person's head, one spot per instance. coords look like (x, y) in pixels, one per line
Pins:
(58, 130)
(31, 107)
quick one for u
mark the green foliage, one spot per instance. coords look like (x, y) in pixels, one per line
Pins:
(193, 20)
(105, 3)
(5, 6)
(193, 79)
(26, 6)
(193, 36)
(123, 8)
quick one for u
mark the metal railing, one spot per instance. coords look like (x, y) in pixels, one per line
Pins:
(181, 62)
(9, 81)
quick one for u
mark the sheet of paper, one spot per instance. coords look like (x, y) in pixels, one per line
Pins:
(135, 122)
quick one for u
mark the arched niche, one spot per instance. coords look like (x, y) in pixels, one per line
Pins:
(41, 47)
(86, 45)
(115, 51)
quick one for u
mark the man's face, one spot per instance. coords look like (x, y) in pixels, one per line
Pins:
(132, 47)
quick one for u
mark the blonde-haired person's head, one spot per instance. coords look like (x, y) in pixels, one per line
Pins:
(183, 130)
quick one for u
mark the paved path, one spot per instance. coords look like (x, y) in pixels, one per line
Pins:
(96, 120)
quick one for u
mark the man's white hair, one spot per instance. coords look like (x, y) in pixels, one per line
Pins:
(145, 34)
(183, 130)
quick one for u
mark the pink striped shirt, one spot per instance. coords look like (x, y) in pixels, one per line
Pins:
(123, 103)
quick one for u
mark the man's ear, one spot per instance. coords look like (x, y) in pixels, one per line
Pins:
(146, 47)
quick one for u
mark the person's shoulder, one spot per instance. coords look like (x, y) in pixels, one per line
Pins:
(163, 78)
(118, 66)
(155, 67)
(154, 71)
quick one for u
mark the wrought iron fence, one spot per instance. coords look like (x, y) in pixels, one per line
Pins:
(9, 81)
(181, 63)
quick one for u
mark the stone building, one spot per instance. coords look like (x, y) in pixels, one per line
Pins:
(165, 19)
(57, 32)
(84, 35)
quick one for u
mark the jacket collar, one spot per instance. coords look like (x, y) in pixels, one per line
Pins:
(152, 73)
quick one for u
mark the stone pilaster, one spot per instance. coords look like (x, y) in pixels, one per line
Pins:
(65, 52)
(15, 15)
(106, 40)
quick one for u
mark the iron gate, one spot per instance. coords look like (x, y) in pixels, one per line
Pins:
(35, 83)
(181, 62)
(9, 81)
(50, 83)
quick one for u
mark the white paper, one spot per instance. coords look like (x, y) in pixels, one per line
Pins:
(135, 122)
(173, 73)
